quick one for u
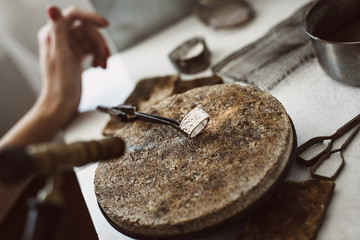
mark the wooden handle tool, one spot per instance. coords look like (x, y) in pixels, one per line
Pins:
(16, 163)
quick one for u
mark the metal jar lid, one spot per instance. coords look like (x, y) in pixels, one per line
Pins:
(191, 57)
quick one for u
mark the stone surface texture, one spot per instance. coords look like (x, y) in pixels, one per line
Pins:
(167, 184)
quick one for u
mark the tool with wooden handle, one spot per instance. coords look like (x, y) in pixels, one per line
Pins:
(16, 163)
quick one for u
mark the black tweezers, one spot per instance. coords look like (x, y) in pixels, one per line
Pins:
(127, 113)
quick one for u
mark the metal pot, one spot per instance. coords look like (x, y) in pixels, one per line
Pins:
(334, 29)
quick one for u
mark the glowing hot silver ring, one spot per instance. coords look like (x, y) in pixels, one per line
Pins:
(194, 122)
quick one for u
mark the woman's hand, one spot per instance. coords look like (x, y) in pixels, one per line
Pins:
(64, 43)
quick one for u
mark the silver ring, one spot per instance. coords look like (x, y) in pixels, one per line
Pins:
(194, 122)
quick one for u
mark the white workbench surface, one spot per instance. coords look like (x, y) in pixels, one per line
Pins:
(317, 105)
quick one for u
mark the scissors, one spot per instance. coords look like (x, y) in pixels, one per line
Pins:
(316, 161)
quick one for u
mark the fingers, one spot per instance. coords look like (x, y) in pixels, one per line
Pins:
(87, 40)
(71, 14)
(54, 13)
(74, 32)
(43, 35)
(100, 50)
(59, 31)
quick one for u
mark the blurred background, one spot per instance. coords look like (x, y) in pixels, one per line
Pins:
(130, 22)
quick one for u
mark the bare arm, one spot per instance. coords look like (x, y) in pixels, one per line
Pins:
(64, 42)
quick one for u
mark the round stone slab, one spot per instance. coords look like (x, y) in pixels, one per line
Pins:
(168, 185)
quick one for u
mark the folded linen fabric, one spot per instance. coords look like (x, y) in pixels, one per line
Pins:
(267, 61)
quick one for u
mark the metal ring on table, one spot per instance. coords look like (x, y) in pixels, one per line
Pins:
(194, 122)
(193, 56)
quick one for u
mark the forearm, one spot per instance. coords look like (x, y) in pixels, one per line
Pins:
(39, 124)
(64, 42)
(35, 126)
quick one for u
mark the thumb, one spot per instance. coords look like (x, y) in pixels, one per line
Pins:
(58, 25)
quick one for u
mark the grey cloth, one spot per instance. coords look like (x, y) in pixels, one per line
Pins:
(267, 61)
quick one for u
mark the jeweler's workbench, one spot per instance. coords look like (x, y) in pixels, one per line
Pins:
(316, 104)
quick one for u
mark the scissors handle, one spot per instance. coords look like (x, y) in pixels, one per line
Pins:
(345, 128)
(350, 138)
(321, 157)
(309, 144)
